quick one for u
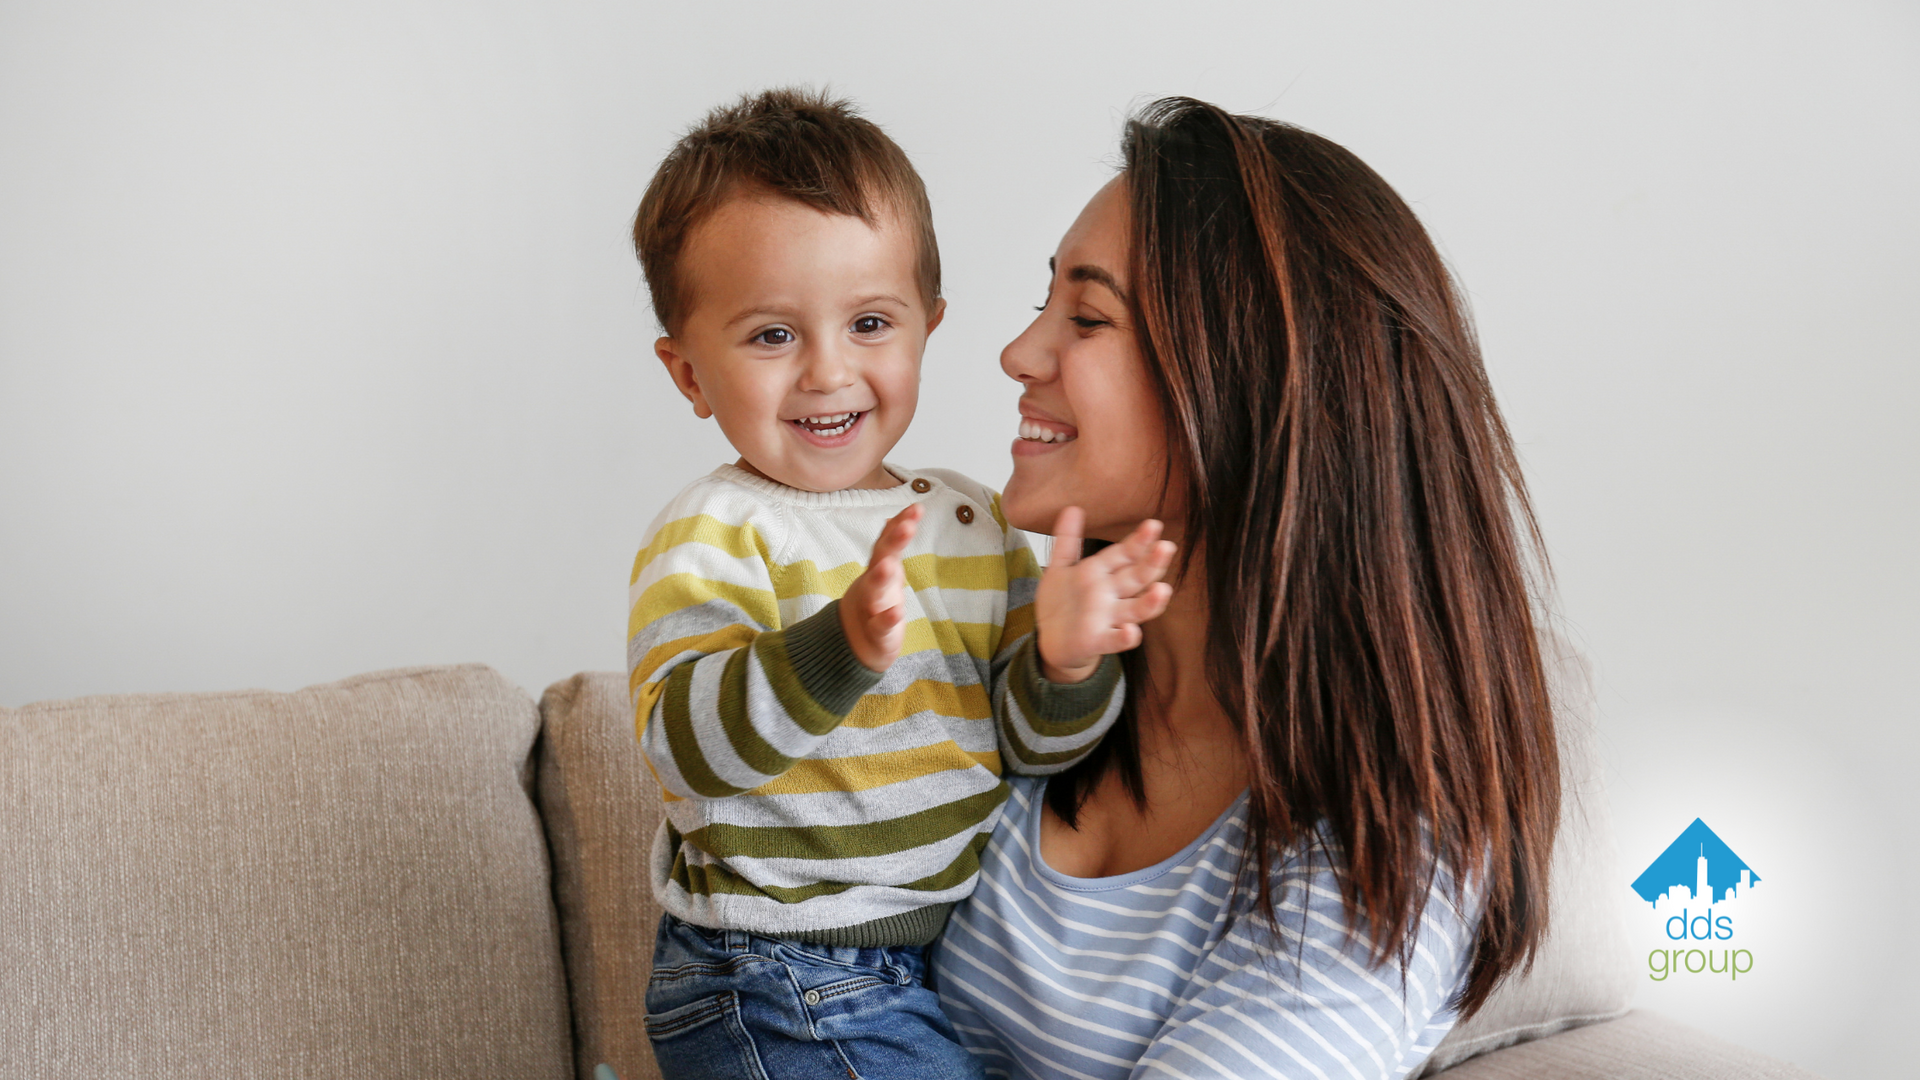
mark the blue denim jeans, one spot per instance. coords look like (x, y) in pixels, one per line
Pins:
(726, 1003)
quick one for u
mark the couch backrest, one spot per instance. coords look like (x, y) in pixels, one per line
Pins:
(601, 809)
(345, 882)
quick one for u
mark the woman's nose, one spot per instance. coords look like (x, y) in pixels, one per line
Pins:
(1025, 359)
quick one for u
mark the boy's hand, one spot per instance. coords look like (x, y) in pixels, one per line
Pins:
(873, 613)
(1087, 608)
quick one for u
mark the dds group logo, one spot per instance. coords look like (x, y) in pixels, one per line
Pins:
(1699, 889)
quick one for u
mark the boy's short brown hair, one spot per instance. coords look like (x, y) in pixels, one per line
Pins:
(796, 144)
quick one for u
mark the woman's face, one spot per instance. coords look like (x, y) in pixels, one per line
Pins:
(1091, 431)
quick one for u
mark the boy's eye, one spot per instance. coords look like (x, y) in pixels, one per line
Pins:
(869, 324)
(778, 335)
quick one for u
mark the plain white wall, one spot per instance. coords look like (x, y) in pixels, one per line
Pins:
(322, 349)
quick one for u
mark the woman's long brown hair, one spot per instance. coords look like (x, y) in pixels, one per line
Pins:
(1356, 507)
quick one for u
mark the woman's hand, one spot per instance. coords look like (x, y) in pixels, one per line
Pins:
(873, 612)
(1087, 608)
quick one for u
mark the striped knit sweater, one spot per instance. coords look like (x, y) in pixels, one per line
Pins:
(808, 796)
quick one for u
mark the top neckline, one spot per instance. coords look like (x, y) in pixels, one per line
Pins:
(898, 495)
(1037, 807)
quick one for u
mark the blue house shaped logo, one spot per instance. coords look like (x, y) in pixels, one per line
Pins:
(1700, 863)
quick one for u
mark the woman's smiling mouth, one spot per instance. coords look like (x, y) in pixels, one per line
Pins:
(1041, 434)
(1038, 431)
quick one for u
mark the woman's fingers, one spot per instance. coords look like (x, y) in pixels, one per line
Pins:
(1066, 537)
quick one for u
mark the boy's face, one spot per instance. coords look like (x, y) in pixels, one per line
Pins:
(802, 338)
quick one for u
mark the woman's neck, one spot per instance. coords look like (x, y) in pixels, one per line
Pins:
(1192, 764)
(1179, 716)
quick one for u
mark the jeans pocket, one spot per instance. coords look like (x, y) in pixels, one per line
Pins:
(702, 1039)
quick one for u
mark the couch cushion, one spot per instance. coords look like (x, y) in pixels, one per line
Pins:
(601, 808)
(347, 881)
(1583, 972)
(1638, 1046)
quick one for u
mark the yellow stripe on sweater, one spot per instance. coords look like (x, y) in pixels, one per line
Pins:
(864, 771)
(678, 592)
(739, 541)
(727, 637)
(930, 571)
(922, 695)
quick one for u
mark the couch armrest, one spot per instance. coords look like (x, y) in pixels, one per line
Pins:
(1638, 1046)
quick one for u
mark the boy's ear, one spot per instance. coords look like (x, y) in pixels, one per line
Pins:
(939, 312)
(684, 378)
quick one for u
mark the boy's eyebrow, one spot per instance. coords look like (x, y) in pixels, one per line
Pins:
(788, 312)
(1098, 274)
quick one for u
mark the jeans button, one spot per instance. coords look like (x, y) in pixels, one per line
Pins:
(812, 996)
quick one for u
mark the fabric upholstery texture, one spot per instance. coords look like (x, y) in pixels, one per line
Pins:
(601, 808)
(348, 881)
(1638, 1046)
(1583, 972)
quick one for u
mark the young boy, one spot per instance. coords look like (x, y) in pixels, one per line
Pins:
(829, 739)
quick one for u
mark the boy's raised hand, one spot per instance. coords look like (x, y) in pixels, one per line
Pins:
(1087, 608)
(873, 613)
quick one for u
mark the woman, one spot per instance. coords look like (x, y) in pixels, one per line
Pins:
(1322, 833)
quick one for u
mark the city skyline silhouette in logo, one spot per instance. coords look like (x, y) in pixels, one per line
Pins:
(1699, 863)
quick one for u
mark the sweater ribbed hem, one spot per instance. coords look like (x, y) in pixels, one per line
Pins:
(824, 663)
(921, 926)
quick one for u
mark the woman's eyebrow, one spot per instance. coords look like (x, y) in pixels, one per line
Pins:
(1098, 274)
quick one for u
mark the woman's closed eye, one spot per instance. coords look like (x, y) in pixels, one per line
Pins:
(1080, 321)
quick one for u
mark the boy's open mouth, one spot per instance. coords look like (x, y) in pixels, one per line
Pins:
(831, 429)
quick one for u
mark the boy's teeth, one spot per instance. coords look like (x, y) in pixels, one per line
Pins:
(1041, 433)
(829, 425)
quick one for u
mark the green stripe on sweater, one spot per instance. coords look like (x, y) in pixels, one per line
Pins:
(717, 879)
(863, 840)
(677, 713)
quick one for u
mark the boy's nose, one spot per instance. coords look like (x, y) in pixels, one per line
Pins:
(826, 370)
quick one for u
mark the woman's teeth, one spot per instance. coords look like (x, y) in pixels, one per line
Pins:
(829, 425)
(1042, 433)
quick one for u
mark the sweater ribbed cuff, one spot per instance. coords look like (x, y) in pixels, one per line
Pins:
(1061, 705)
(824, 663)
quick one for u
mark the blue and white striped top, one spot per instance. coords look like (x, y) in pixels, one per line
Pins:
(1162, 972)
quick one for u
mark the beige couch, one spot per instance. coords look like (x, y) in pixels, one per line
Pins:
(423, 873)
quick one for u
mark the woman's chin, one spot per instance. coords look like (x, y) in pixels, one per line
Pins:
(1026, 508)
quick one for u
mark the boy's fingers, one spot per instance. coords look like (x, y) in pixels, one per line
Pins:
(1122, 638)
(1138, 547)
(1145, 607)
(1140, 540)
(898, 531)
(886, 588)
(1066, 537)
